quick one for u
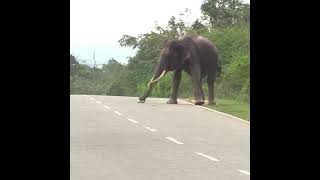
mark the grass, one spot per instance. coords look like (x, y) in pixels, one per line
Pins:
(232, 107)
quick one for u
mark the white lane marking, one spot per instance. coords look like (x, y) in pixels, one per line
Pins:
(92, 98)
(99, 102)
(244, 172)
(107, 107)
(172, 139)
(216, 111)
(150, 129)
(206, 156)
(133, 121)
(117, 113)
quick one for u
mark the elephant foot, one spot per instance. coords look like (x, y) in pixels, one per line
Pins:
(171, 101)
(199, 102)
(141, 100)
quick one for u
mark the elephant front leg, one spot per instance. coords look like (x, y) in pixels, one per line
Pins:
(197, 87)
(175, 86)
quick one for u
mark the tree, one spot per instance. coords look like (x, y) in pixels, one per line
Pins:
(94, 60)
(73, 63)
(128, 41)
(113, 67)
(198, 27)
(225, 13)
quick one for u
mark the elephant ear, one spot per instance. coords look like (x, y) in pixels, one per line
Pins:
(167, 43)
(180, 50)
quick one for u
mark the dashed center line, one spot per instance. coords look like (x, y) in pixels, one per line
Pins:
(173, 140)
(133, 121)
(169, 138)
(117, 113)
(244, 172)
(150, 129)
(206, 156)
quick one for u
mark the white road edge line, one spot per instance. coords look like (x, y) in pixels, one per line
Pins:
(172, 139)
(106, 107)
(216, 111)
(133, 121)
(206, 156)
(117, 113)
(244, 172)
(150, 129)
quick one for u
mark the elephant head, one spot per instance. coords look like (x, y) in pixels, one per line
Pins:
(172, 57)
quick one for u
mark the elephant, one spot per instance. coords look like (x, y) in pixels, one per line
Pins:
(194, 54)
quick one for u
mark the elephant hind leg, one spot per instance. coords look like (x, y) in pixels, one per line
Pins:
(203, 98)
(197, 86)
(211, 98)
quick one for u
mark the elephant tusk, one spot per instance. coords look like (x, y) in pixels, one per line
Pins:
(152, 81)
(164, 71)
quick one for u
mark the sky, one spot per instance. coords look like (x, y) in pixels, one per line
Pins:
(97, 25)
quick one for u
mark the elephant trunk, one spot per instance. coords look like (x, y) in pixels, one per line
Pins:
(159, 73)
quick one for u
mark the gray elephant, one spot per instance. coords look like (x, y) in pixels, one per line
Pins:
(195, 55)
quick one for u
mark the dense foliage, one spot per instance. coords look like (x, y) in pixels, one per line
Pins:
(225, 22)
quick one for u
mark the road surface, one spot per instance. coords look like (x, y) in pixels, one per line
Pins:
(116, 138)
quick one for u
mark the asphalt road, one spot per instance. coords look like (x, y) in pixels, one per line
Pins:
(117, 138)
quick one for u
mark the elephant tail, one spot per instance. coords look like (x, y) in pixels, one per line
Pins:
(219, 70)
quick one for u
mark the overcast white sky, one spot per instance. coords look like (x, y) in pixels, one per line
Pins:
(99, 24)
